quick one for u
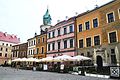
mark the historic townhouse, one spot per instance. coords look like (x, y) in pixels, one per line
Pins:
(31, 46)
(60, 38)
(41, 45)
(6, 43)
(19, 51)
(98, 34)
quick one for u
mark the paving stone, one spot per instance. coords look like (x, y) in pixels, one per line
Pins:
(7, 73)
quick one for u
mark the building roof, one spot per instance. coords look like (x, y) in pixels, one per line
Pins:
(9, 38)
(84, 13)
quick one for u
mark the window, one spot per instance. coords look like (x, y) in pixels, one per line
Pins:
(6, 49)
(110, 17)
(71, 28)
(34, 42)
(1, 48)
(58, 32)
(112, 37)
(95, 23)
(53, 34)
(87, 26)
(10, 44)
(6, 55)
(39, 40)
(53, 46)
(65, 44)
(42, 50)
(42, 39)
(49, 35)
(80, 28)
(37, 50)
(96, 40)
(58, 45)
(71, 43)
(88, 42)
(81, 43)
(48, 47)
(6, 44)
(2, 43)
(31, 52)
(65, 30)
(0, 54)
(113, 56)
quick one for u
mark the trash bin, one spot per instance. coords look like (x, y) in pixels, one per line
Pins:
(115, 72)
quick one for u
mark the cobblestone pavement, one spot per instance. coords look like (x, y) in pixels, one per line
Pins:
(7, 73)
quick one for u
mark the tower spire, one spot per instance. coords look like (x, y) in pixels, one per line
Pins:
(47, 18)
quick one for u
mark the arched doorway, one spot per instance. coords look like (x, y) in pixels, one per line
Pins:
(99, 61)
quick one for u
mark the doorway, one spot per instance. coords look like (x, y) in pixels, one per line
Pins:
(99, 61)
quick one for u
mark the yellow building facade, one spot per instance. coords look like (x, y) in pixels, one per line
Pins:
(98, 34)
(41, 46)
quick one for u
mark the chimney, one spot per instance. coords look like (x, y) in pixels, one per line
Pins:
(58, 21)
(66, 17)
(35, 34)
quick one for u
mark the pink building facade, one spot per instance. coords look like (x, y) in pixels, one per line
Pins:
(61, 38)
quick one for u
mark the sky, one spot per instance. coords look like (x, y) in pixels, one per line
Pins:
(24, 17)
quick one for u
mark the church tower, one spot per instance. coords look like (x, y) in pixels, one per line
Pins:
(47, 18)
(46, 22)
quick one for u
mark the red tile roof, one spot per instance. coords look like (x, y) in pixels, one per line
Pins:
(9, 38)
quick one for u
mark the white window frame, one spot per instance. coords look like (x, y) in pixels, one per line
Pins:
(119, 13)
(85, 25)
(109, 13)
(57, 31)
(93, 39)
(83, 42)
(82, 27)
(97, 20)
(109, 36)
(73, 42)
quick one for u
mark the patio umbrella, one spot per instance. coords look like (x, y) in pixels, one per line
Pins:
(16, 60)
(79, 58)
(47, 59)
(64, 58)
(38, 60)
(24, 59)
(31, 60)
